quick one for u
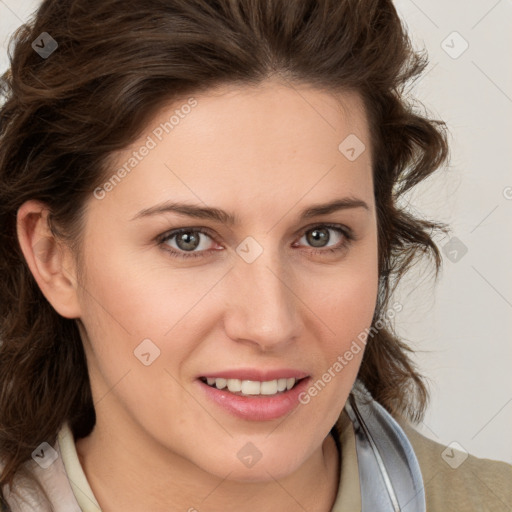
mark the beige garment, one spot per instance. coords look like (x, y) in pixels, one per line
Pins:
(476, 485)
(79, 484)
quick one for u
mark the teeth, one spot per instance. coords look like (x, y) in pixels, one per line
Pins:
(234, 385)
(268, 388)
(221, 383)
(252, 387)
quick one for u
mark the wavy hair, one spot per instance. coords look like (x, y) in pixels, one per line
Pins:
(117, 62)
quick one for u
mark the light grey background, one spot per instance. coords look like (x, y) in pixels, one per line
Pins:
(461, 326)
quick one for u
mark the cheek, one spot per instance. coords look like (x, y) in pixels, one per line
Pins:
(142, 294)
(346, 299)
(345, 308)
(131, 309)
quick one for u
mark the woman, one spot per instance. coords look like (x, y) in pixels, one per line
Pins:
(201, 234)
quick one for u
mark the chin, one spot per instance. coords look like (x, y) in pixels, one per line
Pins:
(251, 464)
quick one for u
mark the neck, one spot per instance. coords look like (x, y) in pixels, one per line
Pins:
(170, 483)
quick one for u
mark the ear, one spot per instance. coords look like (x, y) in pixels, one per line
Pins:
(49, 259)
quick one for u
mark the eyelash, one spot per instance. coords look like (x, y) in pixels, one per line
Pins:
(348, 238)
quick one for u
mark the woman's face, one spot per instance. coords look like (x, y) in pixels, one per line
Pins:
(274, 294)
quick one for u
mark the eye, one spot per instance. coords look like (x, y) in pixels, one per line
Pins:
(182, 242)
(319, 237)
(194, 242)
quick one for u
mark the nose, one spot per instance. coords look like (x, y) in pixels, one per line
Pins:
(262, 307)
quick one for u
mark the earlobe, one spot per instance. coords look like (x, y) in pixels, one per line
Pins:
(49, 259)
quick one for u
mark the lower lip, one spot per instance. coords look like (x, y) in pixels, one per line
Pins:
(257, 407)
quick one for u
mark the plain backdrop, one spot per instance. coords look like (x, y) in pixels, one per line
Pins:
(461, 326)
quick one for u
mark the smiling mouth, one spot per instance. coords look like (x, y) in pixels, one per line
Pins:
(252, 387)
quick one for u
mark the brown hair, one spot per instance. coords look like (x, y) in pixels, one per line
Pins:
(116, 63)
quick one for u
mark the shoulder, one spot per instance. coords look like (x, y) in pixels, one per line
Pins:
(456, 481)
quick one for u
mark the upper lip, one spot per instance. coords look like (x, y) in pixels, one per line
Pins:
(257, 374)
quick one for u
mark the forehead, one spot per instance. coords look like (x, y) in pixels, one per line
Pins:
(269, 120)
(250, 146)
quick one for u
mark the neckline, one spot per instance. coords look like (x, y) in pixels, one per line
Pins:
(348, 498)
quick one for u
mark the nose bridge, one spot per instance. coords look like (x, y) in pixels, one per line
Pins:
(263, 308)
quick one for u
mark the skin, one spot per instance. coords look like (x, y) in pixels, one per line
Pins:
(263, 154)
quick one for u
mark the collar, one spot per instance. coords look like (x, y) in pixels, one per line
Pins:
(390, 476)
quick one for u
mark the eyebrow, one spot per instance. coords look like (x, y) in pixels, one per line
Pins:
(216, 214)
